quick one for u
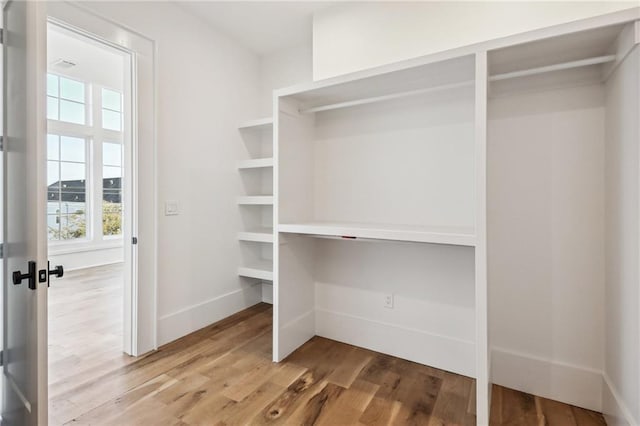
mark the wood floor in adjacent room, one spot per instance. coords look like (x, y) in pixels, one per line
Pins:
(223, 374)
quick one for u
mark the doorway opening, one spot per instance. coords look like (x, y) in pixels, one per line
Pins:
(89, 207)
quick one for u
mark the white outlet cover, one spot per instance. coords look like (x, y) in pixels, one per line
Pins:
(388, 301)
(171, 208)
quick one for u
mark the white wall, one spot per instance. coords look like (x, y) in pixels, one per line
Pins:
(284, 68)
(206, 85)
(546, 243)
(622, 372)
(354, 36)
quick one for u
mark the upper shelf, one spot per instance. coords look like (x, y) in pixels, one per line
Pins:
(422, 234)
(258, 124)
(255, 163)
(255, 200)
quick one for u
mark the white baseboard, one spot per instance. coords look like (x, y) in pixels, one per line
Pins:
(442, 352)
(614, 409)
(294, 334)
(195, 317)
(562, 382)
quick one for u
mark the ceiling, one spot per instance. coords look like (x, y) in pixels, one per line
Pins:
(93, 61)
(264, 27)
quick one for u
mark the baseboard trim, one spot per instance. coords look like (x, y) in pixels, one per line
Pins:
(195, 317)
(294, 334)
(446, 353)
(615, 411)
(571, 384)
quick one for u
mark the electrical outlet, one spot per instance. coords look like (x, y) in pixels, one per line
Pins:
(171, 208)
(388, 301)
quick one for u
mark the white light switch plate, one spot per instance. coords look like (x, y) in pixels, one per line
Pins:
(171, 208)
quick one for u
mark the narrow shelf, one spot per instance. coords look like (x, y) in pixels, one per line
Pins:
(259, 124)
(261, 235)
(262, 270)
(422, 234)
(255, 163)
(256, 200)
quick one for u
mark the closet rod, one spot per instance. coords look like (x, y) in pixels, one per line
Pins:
(554, 67)
(497, 77)
(385, 97)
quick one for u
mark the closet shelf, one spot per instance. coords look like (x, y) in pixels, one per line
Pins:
(258, 124)
(460, 236)
(255, 163)
(248, 200)
(262, 270)
(261, 235)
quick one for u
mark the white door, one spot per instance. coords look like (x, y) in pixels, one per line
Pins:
(24, 188)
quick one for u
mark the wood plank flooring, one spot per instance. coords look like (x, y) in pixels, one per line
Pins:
(223, 375)
(85, 330)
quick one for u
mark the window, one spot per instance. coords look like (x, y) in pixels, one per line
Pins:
(84, 144)
(65, 99)
(66, 187)
(111, 189)
(111, 110)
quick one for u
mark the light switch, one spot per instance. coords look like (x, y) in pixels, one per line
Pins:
(171, 208)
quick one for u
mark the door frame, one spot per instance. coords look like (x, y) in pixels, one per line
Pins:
(140, 292)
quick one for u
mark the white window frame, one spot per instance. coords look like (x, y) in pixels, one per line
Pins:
(95, 136)
(88, 188)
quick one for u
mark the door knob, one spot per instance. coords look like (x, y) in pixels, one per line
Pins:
(30, 275)
(57, 271)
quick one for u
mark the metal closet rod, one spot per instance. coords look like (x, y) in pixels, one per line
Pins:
(497, 77)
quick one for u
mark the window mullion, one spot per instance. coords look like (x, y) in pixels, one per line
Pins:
(97, 162)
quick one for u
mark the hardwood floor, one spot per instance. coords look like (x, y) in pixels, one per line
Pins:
(85, 330)
(223, 375)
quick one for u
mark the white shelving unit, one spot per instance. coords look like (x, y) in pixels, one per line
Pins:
(255, 164)
(397, 157)
(260, 235)
(396, 160)
(260, 270)
(255, 200)
(256, 204)
(419, 234)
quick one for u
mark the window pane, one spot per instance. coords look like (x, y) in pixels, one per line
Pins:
(111, 120)
(52, 85)
(52, 108)
(73, 176)
(53, 227)
(109, 172)
(53, 175)
(72, 226)
(111, 154)
(71, 89)
(111, 100)
(72, 149)
(71, 207)
(111, 218)
(71, 112)
(53, 148)
(72, 201)
(53, 207)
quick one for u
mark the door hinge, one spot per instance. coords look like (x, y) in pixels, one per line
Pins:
(1, 36)
(1, 143)
(1, 358)
(134, 240)
(1, 250)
